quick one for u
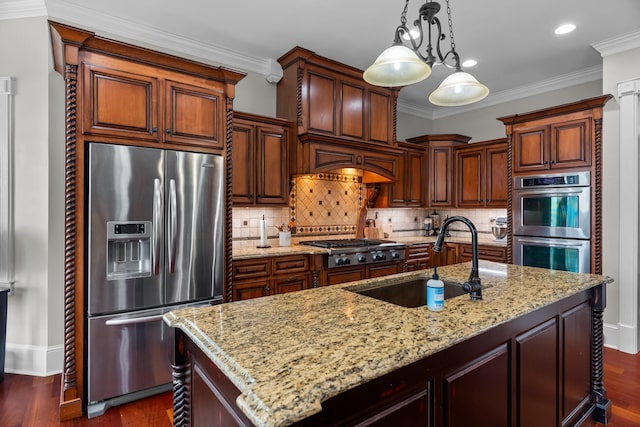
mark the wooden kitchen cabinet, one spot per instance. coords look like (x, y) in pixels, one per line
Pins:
(379, 270)
(334, 276)
(260, 174)
(449, 255)
(553, 146)
(343, 275)
(441, 182)
(485, 252)
(409, 189)
(557, 138)
(329, 98)
(129, 100)
(257, 277)
(481, 175)
(420, 256)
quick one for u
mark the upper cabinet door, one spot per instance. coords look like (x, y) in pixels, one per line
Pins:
(320, 102)
(194, 115)
(531, 149)
(122, 104)
(273, 177)
(243, 162)
(440, 177)
(496, 191)
(470, 178)
(380, 118)
(571, 144)
(352, 109)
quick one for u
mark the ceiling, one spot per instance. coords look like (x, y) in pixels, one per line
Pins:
(513, 41)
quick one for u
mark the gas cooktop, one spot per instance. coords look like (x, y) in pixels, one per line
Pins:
(343, 252)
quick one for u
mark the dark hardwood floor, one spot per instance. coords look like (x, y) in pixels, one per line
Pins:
(33, 401)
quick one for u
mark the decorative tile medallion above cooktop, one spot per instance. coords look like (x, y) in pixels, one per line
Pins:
(325, 203)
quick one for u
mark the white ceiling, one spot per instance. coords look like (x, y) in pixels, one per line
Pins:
(512, 41)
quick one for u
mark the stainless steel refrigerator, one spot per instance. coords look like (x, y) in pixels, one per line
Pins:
(155, 243)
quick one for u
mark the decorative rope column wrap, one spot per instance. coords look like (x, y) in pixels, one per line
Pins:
(70, 233)
(228, 188)
(602, 412)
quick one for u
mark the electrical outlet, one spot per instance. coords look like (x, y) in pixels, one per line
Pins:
(245, 223)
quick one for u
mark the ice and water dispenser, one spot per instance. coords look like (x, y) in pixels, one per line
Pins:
(128, 249)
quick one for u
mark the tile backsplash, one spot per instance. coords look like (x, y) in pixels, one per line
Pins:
(327, 206)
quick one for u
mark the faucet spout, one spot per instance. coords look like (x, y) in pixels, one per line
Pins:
(472, 285)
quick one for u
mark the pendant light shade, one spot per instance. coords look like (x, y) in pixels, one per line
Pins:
(397, 66)
(403, 64)
(459, 88)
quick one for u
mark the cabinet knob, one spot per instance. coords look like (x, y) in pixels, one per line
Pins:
(167, 131)
(154, 130)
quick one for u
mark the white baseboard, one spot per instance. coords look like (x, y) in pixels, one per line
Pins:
(621, 337)
(611, 335)
(39, 361)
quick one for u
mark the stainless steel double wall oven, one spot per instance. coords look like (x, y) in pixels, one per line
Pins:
(552, 221)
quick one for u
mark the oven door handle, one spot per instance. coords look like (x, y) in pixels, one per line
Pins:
(549, 192)
(552, 243)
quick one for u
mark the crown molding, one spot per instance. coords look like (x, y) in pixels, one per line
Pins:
(566, 80)
(132, 32)
(618, 44)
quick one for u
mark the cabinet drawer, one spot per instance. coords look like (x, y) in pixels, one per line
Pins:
(291, 283)
(341, 275)
(379, 270)
(290, 264)
(251, 268)
(419, 251)
(486, 252)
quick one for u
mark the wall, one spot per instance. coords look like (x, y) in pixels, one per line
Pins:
(35, 311)
(616, 68)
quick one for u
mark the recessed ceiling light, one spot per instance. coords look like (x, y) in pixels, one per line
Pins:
(469, 63)
(564, 29)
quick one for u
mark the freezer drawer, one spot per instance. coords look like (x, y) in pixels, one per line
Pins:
(127, 353)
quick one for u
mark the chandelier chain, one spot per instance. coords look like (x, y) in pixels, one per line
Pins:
(453, 43)
(403, 16)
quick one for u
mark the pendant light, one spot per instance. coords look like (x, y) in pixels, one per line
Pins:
(402, 65)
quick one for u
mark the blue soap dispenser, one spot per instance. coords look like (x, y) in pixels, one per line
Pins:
(435, 292)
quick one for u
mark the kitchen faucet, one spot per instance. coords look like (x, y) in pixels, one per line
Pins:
(472, 285)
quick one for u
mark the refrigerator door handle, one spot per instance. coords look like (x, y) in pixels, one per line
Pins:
(157, 225)
(173, 225)
(133, 320)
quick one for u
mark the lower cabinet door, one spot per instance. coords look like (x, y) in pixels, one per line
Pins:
(251, 289)
(468, 390)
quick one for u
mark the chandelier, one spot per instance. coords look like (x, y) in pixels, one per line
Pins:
(403, 64)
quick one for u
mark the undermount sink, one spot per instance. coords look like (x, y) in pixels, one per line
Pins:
(407, 294)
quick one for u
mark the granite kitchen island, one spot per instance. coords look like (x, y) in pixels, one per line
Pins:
(529, 353)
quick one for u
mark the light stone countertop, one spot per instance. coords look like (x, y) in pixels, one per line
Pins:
(295, 249)
(287, 353)
(249, 253)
